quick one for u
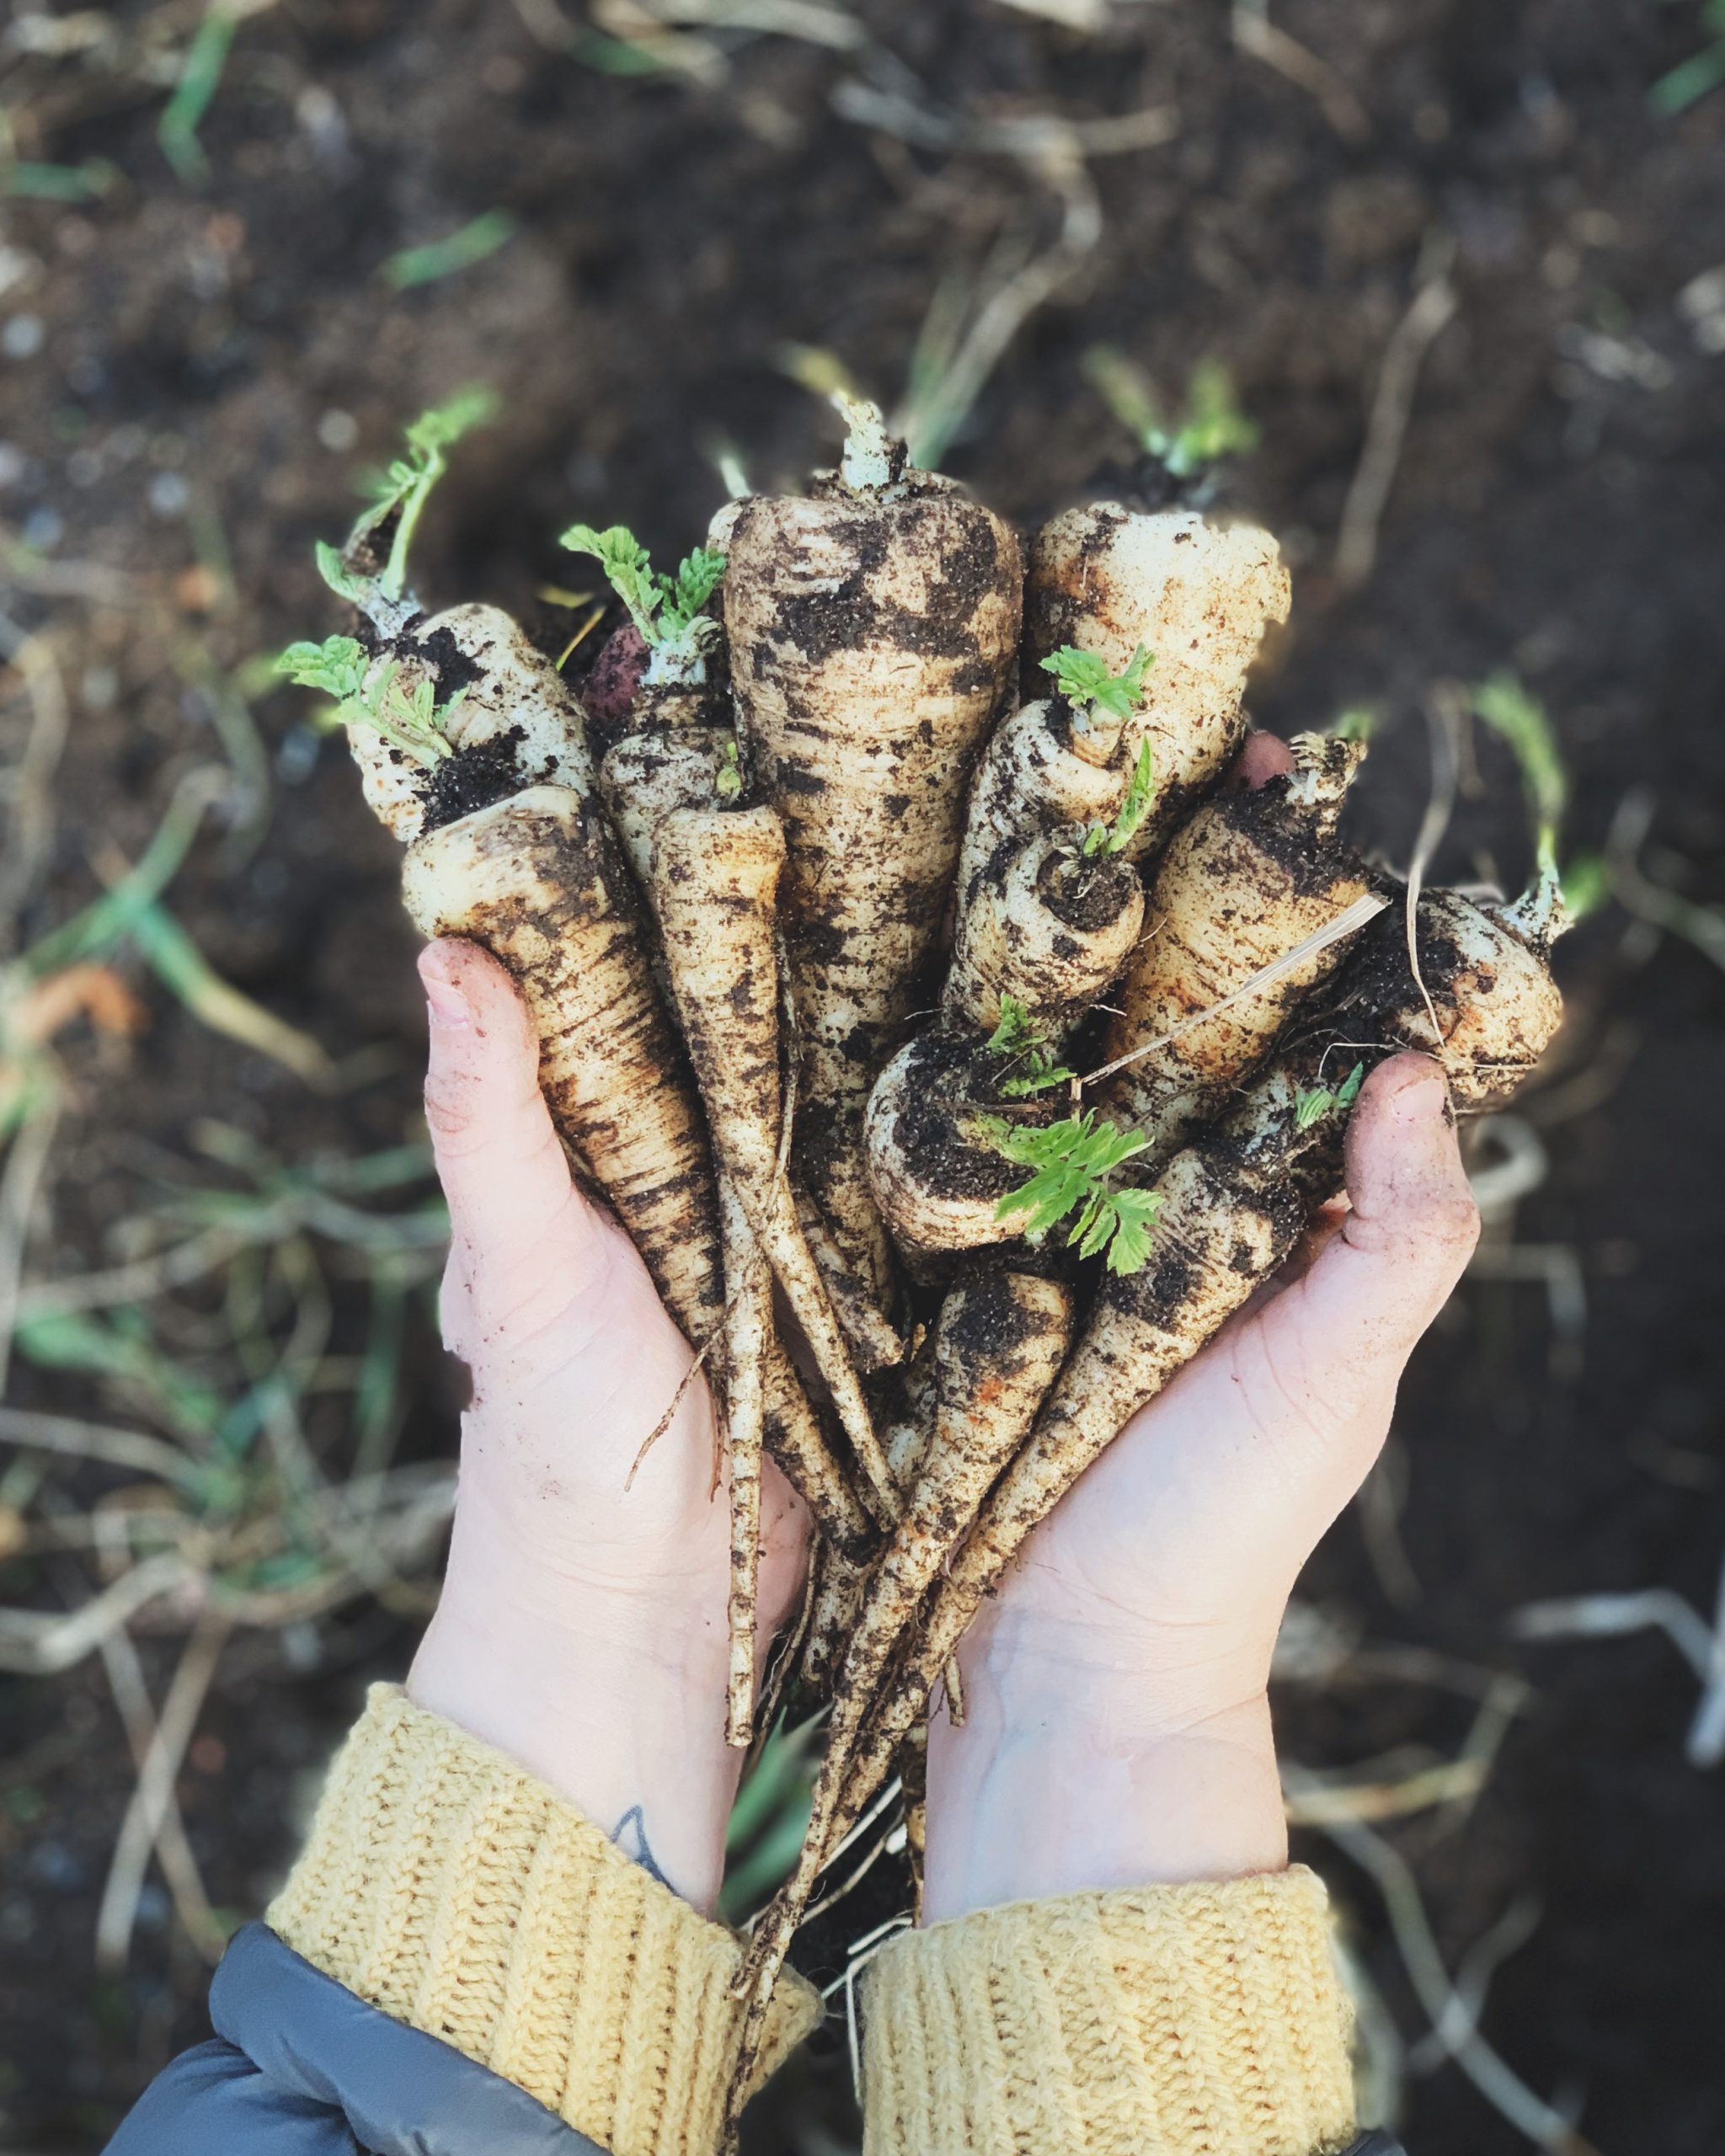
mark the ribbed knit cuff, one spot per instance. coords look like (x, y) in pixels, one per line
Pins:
(1195, 2020)
(449, 1888)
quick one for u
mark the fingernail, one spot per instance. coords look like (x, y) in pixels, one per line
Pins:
(447, 1005)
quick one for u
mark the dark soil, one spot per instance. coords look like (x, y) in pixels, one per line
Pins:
(191, 375)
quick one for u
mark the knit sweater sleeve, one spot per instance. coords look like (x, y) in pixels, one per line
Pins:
(446, 1886)
(1194, 2020)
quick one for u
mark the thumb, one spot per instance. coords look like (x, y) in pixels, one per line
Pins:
(1411, 1225)
(514, 1208)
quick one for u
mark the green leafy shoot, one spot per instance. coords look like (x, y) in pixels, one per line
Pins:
(1521, 719)
(1212, 426)
(370, 693)
(1083, 679)
(729, 783)
(403, 491)
(686, 593)
(1104, 840)
(1356, 723)
(627, 568)
(1586, 884)
(666, 610)
(1311, 1108)
(337, 666)
(1022, 1038)
(1074, 1162)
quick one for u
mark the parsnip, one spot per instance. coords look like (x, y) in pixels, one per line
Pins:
(748, 1330)
(1047, 926)
(1233, 1204)
(504, 710)
(1198, 596)
(872, 629)
(715, 881)
(643, 777)
(537, 880)
(1044, 765)
(938, 1178)
(1248, 878)
(999, 1344)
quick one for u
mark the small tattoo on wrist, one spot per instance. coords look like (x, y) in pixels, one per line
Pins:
(630, 1836)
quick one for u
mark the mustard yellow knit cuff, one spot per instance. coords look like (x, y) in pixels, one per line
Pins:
(1196, 2021)
(449, 1888)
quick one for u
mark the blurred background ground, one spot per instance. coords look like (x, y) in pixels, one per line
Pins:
(1464, 265)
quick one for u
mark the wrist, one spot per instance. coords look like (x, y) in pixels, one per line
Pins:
(1072, 1773)
(613, 1698)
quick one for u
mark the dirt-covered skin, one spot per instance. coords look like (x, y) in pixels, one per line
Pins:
(871, 640)
(1484, 969)
(716, 878)
(511, 718)
(538, 882)
(999, 1344)
(1047, 927)
(937, 1181)
(642, 779)
(1043, 766)
(1251, 875)
(873, 1341)
(1226, 1223)
(644, 775)
(1198, 596)
(1234, 1204)
(748, 1328)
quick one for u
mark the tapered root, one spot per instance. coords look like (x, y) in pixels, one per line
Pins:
(537, 880)
(749, 1322)
(999, 1344)
(715, 883)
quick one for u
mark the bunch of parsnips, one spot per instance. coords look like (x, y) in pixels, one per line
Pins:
(957, 1050)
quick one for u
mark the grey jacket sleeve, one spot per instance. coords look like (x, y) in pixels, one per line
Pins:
(299, 2066)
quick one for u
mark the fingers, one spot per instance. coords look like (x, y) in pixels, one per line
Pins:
(514, 1211)
(1411, 1224)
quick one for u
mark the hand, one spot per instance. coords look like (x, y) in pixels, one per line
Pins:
(1118, 1726)
(582, 1626)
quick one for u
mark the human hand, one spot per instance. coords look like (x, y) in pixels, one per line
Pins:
(582, 1624)
(1117, 1728)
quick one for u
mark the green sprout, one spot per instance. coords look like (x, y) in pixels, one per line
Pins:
(1212, 426)
(442, 258)
(1311, 1108)
(401, 494)
(728, 782)
(1356, 722)
(371, 693)
(1022, 1038)
(34, 181)
(1695, 78)
(201, 73)
(1521, 719)
(1083, 679)
(1074, 1162)
(1104, 840)
(668, 611)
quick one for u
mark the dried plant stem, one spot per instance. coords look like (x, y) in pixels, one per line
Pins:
(151, 1799)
